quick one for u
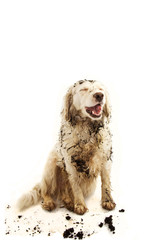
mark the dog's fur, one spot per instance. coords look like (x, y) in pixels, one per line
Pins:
(81, 154)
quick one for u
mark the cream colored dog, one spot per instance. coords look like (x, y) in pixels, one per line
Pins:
(81, 154)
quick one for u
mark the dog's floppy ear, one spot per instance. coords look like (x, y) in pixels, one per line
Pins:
(107, 107)
(68, 101)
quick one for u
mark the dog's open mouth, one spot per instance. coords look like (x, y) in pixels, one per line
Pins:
(94, 111)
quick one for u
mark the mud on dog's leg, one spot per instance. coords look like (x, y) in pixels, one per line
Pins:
(107, 200)
(79, 203)
(49, 183)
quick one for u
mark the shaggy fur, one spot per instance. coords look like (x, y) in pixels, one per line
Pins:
(81, 154)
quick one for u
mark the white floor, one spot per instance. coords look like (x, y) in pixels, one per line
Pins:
(37, 222)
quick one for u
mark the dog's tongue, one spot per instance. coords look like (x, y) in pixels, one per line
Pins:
(96, 109)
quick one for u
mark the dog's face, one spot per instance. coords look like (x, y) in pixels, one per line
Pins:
(88, 98)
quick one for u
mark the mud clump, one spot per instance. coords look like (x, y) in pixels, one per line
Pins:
(79, 235)
(109, 222)
(68, 233)
(122, 210)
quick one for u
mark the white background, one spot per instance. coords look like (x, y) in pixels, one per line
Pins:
(45, 46)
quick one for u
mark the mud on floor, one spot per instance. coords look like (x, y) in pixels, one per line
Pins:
(35, 221)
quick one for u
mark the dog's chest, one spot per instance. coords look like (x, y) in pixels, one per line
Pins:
(86, 164)
(82, 147)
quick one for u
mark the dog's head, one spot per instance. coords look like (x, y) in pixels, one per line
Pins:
(86, 99)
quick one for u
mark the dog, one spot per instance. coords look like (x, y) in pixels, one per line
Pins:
(82, 152)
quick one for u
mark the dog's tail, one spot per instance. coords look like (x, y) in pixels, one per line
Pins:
(30, 198)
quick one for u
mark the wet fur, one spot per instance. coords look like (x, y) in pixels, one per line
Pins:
(81, 154)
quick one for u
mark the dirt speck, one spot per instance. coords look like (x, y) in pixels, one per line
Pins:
(100, 225)
(68, 218)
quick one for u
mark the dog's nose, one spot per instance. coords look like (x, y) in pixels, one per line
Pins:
(98, 96)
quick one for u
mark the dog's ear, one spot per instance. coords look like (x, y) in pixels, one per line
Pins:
(107, 107)
(68, 102)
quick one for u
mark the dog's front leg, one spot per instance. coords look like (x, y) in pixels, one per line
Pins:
(79, 203)
(107, 200)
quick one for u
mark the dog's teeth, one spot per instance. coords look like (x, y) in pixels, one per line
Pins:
(94, 113)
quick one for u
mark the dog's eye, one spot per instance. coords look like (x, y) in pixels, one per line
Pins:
(84, 89)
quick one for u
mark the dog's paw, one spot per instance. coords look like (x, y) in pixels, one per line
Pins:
(80, 209)
(109, 205)
(69, 205)
(48, 205)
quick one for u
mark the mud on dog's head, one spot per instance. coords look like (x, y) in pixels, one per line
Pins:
(86, 99)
